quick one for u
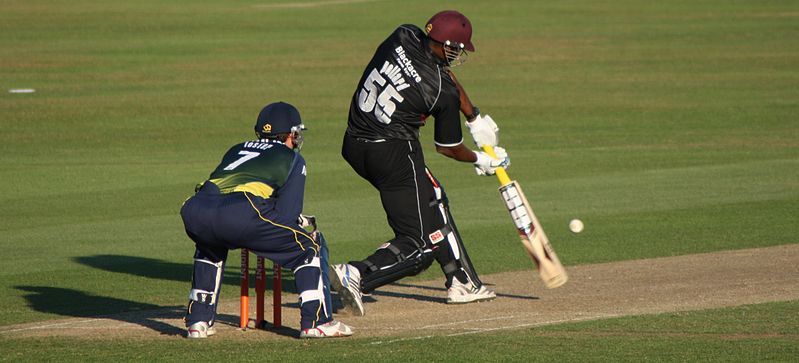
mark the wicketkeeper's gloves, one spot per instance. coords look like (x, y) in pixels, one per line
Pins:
(306, 221)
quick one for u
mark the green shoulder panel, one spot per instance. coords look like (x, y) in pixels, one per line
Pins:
(249, 165)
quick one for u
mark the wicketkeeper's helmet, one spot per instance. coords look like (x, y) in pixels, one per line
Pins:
(279, 118)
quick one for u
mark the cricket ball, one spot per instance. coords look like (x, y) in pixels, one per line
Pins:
(576, 225)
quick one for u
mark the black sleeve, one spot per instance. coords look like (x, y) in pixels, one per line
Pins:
(448, 118)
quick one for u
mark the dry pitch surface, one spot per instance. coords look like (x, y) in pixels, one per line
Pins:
(417, 310)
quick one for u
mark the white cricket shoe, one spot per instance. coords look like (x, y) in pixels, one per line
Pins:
(330, 329)
(200, 330)
(464, 293)
(346, 280)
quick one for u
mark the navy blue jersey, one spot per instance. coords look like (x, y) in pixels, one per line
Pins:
(268, 169)
(402, 85)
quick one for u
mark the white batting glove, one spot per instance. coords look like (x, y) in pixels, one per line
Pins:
(306, 221)
(486, 165)
(484, 130)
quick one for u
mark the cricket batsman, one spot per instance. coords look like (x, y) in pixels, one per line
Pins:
(408, 80)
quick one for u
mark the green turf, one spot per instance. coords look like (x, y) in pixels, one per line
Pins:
(668, 127)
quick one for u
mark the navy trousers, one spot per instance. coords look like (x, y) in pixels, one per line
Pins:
(218, 223)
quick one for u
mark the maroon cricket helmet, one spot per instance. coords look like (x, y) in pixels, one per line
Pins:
(452, 26)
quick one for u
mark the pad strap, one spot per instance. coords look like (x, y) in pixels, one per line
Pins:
(450, 268)
(314, 263)
(369, 265)
(440, 234)
(310, 295)
(396, 251)
(202, 296)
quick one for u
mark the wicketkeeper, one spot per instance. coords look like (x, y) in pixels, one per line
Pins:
(407, 80)
(253, 200)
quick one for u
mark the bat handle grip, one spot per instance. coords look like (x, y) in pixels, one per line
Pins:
(502, 175)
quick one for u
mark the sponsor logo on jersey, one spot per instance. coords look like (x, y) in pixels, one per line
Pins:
(407, 65)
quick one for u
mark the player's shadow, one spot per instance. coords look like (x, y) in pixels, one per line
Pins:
(403, 295)
(171, 271)
(74, 303)
(145, 267)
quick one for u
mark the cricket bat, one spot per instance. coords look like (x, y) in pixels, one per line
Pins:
(533, 238)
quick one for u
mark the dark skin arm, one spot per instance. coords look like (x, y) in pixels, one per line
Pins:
(457, 152)
(467, 108)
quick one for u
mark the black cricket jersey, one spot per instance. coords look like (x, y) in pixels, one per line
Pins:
(403, 84)
(268, 169)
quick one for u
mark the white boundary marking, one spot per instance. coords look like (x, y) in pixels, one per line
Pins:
(46, 326)
(467, 321)
(507, 327)
(312, 4)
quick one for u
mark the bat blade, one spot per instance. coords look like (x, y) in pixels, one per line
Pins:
(532, 236)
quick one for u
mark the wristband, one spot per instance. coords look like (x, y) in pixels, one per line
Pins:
(475, 113)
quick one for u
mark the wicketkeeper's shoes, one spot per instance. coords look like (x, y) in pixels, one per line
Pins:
(200, 330)
(346, 280)
(463, 293)
(331, 329)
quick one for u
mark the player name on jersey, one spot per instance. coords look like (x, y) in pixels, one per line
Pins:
(257, 145)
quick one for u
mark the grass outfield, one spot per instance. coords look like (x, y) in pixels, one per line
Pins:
(669, 128)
